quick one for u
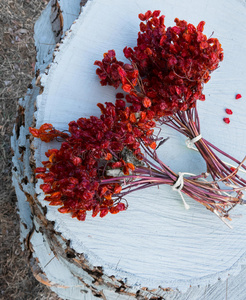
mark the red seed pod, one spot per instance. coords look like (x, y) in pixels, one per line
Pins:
(116, 209)
(96, 210)
(146, 102)
(238, 96)
(55, 202)
(229, 111)
(117, 189)
(226, 120)
(141, 17)
(76, 161)
(156, 13)
(119, 95)
(126, 87)
(104, 212)
(108, 156)
(81, 215)
(122, 72)
(64, 210)
(152, 145)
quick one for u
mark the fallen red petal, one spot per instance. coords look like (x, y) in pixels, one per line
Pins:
(229, 111)
(226, 120)
(238, 96)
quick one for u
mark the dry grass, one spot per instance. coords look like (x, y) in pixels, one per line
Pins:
(17, 59)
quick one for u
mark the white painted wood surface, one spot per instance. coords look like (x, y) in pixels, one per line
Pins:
(156, 242)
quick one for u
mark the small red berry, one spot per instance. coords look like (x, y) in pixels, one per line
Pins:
(238, 96)
(229, 111)
(226, 120)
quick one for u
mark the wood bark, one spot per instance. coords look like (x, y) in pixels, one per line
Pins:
(156, 249)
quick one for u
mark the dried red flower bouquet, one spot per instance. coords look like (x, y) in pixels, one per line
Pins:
(101, 160)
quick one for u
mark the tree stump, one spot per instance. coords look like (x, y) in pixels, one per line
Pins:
(155, 249)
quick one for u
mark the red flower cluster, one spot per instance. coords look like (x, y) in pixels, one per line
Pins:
(173, 64)
(73, 176)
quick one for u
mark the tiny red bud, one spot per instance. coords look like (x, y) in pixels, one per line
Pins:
(122, 72)
(238, 96)
(108, 156)
(77, 161)
(229, 111)
(153, 145)
(117, 190)
(226, 120)
(64, 210)
(104, 212)
(119, 95)
(111, 53)
(141, 17)
(146, 102)
(127, 88)
(156, 13)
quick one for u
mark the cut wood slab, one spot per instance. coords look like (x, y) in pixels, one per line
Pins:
(155, 249)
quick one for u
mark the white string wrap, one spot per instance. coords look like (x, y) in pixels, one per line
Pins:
(179, 184)
(190, 143)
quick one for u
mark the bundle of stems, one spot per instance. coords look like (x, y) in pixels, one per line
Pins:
(187, 123)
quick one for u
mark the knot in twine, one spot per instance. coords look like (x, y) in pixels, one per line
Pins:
(178, 186)
(190, 143)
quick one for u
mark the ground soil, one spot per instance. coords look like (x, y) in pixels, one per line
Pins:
(17, 60)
